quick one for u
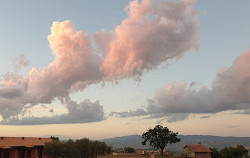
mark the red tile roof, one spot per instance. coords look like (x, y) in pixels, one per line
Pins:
(197, 148)
(8, 142)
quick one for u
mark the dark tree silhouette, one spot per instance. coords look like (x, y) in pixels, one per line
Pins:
(80, 148)
(54, 138)
(234, 152)
(53, 149)
(159, 137)
(129, 150)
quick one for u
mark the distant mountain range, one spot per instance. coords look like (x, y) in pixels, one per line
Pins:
(207, 140)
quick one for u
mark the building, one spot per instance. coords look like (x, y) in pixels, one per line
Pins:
(197, 151)
(22, 147)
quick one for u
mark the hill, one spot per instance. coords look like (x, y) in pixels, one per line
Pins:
(207, 140)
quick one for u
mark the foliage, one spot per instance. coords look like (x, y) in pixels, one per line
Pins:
(159, 137)
(54, 148)
(129, 150)
(54, 138)
(230, 152)
(215, 153)
(80, 148)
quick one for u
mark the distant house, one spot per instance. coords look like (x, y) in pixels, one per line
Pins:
(22, 147)
(197, 151)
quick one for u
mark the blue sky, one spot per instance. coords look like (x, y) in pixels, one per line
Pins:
(224, 35)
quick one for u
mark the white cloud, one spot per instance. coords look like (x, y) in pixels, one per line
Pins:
(153, 33)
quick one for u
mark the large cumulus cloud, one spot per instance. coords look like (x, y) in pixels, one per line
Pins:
(153, 33)
(74, 67)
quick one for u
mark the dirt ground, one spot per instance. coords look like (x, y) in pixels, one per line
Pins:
(123, 156)
(130, 156)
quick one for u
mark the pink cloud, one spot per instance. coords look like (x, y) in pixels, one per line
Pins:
(152, 33)
(230, 91)
(75, 66)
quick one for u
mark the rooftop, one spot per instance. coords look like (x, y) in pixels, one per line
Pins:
(197, 148)
(8, 142)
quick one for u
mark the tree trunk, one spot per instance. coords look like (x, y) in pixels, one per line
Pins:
(162, 151)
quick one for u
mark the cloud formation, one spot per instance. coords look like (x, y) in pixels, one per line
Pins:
(75, 66)
(230, 91)
(83, 112)
(152, 33)
(137, 112)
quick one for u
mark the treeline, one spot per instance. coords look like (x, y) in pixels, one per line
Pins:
(80, 148)
(230, 152)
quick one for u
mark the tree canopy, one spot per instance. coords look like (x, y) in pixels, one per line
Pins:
(129, 150)
(159, 137)
(233, 152)
(80, 148)
(230, 152)
(215, 153)
(54, 138)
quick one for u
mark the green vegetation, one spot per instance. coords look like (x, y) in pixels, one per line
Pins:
(129, 150)
(54, 138)
(215, 153)
(160, 137)
(80, 148)
(230, 152)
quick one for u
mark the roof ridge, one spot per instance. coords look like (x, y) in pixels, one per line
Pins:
(23, 137)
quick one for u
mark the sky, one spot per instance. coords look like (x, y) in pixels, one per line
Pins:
(101, 69)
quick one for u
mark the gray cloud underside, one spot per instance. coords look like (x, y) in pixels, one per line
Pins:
(146, 115)
(83, 112)
(138, 112)
(168, 117)
(60, 119)
(205, 117)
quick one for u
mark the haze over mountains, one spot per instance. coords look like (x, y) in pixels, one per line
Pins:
(207, 140)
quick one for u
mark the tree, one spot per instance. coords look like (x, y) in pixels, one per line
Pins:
(160, 137)
(129, 150)
(215, 153)
(242, 151)
(54, 138)
(80, 148)
(234, 152)
(54, 149)
(70, 149)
